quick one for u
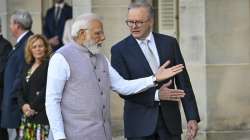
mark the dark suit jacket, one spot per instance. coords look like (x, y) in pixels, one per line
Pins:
(5, 48)
(11, 114)
(51, 29)
(33, 92)
(141, 111)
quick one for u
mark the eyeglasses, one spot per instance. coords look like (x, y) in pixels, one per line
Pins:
(131, 23)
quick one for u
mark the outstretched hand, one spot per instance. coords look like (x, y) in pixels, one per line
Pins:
(167, 94)
(164, 73)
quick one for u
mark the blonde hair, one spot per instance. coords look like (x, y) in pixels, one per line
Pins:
(32, 39)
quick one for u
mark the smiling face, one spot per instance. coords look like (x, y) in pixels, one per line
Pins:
(140, 23)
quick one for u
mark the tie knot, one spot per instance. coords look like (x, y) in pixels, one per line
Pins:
(57, 5)
(145, 42)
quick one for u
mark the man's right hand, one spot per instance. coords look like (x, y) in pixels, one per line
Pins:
(164, 73)
(167, 94)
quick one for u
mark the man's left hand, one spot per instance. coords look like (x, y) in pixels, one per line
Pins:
(192, 128)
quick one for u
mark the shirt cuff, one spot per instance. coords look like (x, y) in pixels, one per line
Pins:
(157, 95)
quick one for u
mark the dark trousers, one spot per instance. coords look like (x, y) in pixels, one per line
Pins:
(161, 132)
(4, 134)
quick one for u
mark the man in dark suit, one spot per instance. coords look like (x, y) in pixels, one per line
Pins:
(54, 23)
(5, 48)
(20, 26)
(147, 116)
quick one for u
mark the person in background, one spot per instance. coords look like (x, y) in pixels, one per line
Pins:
(79, 82)
(5, 48)
(146, 115)
(55, 19)
(67, 31)
(31, 95)
(20, 27)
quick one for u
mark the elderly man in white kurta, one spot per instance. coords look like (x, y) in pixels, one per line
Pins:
(79, 83)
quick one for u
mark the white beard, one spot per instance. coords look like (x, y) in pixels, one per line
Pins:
(92, 47)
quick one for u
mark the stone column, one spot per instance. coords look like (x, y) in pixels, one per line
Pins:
(193, 47)
(3, 15)
(228, 69)
(34, 7)
(81, 6)
(214, 37)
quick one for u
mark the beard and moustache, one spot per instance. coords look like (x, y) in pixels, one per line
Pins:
(92, 46)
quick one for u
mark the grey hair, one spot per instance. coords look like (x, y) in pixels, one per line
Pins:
(23, 18)
(144, 4)
(83, 22)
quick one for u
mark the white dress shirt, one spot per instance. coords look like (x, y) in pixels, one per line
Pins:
(59, 73)
(152, 45)
(58, 10)
(21, 36)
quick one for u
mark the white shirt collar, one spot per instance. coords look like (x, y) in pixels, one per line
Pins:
(21, 36)
(59, 5)
(148, 38)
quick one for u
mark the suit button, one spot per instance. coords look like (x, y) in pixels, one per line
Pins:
(37, 93)
(101, 93)
(103, 106)
(94, 67)
(99, 79)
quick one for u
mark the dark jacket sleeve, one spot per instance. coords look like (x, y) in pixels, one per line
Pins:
(4, 53)
(183, 82)
(46, 30)
(5, 48)
(38, 87)
(18, 77)
(20, 92)
(145, 98)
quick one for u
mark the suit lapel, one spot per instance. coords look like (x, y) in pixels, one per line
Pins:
(24, 39)
(16, 47)
(21, 42)
(61, 18)
(136, 52)
(53, 16)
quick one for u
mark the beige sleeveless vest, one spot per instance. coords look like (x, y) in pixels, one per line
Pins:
(86, 101)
